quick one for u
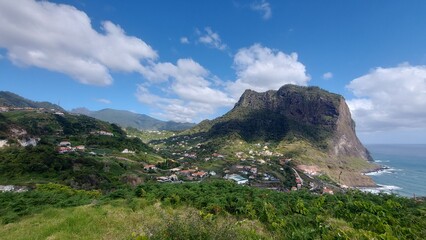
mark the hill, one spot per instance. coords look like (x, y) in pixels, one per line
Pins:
(8, 99)
(134, 120)
(308, 124)
(44, 146)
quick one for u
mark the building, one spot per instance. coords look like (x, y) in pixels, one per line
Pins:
(65, 144)
(237, 178)
(127, 151)
(149, 167)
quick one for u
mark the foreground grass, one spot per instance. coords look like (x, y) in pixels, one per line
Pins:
(207, 210)
(118, 220)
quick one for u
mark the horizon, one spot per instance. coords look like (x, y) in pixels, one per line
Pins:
(189, 62)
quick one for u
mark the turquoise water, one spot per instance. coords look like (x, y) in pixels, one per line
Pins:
(406, 173)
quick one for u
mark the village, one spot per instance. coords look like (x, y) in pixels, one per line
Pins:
(257, 166)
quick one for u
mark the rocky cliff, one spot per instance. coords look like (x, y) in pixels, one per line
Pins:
(305, 114)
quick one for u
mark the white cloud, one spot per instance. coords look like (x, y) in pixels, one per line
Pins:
(262, 7)
(327, 75)
(60, 38)
(211, 39)
(184, 40)
(103, 100)
(390, 98)
(260, 68)
(191, 86)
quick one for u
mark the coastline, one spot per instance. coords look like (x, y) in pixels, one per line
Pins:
(378, 169)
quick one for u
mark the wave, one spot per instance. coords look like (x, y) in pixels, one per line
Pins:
(381, 188)
(381, 161)
(384, 170)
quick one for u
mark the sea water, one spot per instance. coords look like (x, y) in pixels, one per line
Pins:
(405, 172)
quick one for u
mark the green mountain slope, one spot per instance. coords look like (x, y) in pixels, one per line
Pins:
(134, 120)
(309, 124)
(8, 99)
(31, 153)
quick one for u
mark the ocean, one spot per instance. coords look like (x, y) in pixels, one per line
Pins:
(406, 169)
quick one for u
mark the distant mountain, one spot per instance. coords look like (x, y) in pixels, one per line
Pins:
(135, 120)
(8, 99)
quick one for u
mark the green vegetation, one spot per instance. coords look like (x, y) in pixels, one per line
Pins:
(99, 191)
(148, 136)
(8, 99)
(100, 165)
(208, 210)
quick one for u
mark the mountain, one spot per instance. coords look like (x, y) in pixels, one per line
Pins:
(8, 99)
(312, 123)
(77, 150)
(135, 120)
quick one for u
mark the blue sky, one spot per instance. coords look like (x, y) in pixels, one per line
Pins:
(191, 60)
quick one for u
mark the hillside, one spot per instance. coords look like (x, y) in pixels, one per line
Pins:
(308, 124)
(80, 151)
(133, 120)
(8, 99)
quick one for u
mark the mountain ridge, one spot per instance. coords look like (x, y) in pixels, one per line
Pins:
(126, 119)
(9, 99)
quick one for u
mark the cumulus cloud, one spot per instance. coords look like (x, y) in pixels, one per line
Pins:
(263, 7)
(327, 75)
(260, 68)
(211, 39)
(390, 98)
(103, 100)
(192, 88)
(184, 40)
(61, 38)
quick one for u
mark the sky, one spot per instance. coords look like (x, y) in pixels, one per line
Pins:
(191, 60)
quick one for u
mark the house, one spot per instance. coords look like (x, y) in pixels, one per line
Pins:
(173, 177)
(64, 149)
(65, 144)
(239, 167)
(127, 151)
(327, 191)
(237, 178)
(174, 170)
(104, 133)
(188, 172)
(199, 174)
(149, 167)
(261, 161)
(80, 147)
(163, 179)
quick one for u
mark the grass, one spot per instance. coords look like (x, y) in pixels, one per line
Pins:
(86, 222)
(123, 220)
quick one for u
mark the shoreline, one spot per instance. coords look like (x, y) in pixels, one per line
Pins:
(379, 169)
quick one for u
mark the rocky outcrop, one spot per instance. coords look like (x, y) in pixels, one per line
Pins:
(345, 142)
(313, 109)
(296, 113)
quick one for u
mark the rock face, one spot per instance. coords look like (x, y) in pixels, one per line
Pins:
(310, 113)
(345, 141)
(295, 113)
